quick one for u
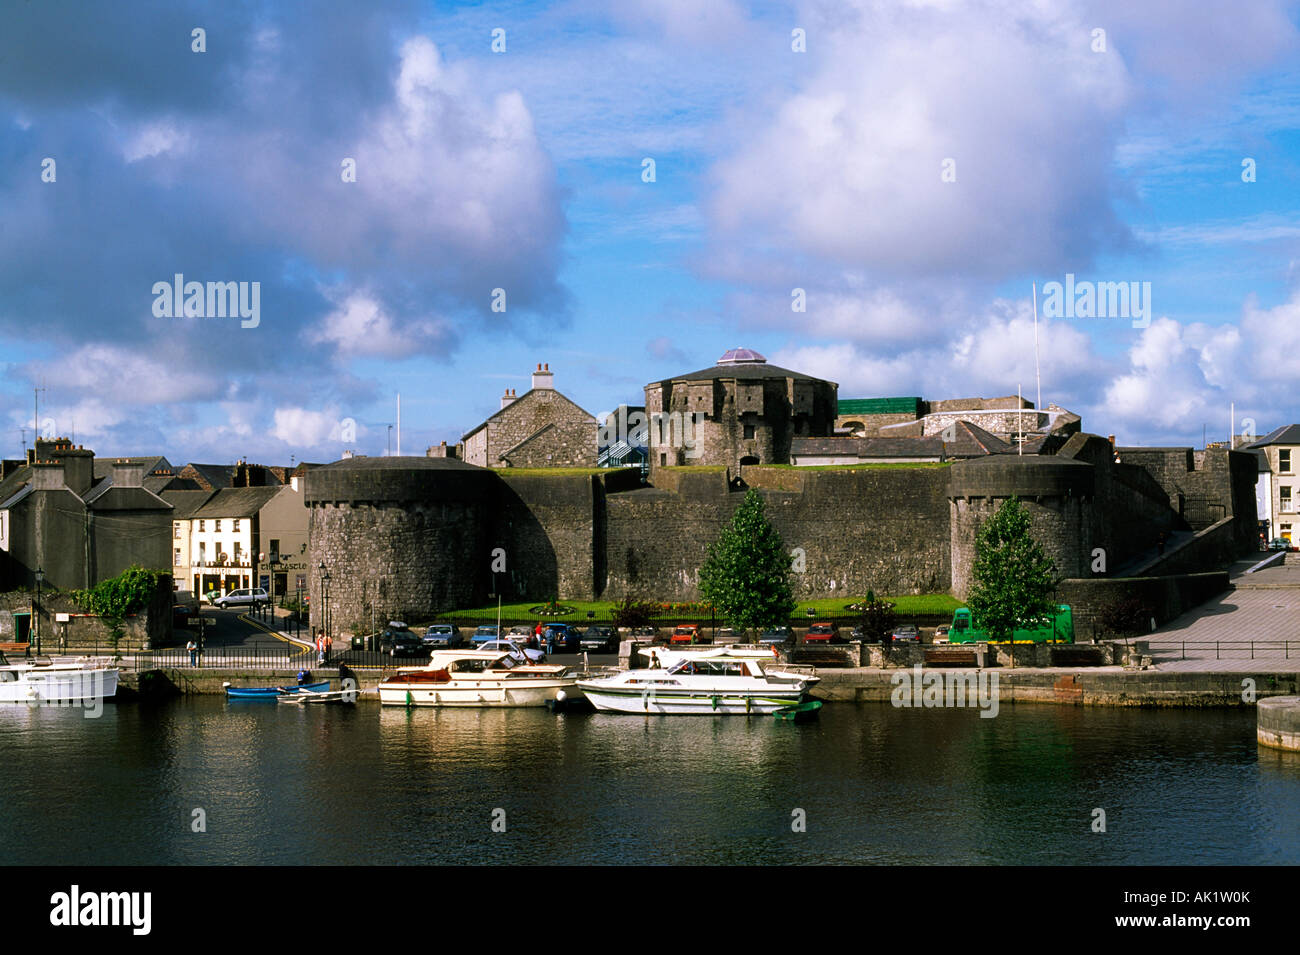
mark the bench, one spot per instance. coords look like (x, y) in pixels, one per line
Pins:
(823, 656)
(951, 658)
(14, 647)
(1076, 656)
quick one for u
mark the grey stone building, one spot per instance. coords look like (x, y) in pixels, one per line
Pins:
(741, 411)
(77, 521)
(538, 429)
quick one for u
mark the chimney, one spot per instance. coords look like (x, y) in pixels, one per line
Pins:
(1112, 442)
(128, 474)
(48, 476)
(508, 397)
(542, 378)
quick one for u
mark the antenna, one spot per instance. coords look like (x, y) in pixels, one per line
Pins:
(23, 432)
(1037, 377)
(1020, 422)
(399, 432)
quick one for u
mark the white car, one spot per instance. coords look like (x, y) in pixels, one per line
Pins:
(520, 654)
(248, 597)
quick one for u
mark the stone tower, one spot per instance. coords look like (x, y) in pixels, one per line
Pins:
(1056, 492)
(740, 411)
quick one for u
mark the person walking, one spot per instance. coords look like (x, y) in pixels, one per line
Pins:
(329, 648)
(193, 648)
(320, 648)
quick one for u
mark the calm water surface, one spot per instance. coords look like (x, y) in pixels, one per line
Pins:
(322, 785)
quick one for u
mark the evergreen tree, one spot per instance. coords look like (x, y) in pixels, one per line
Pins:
(1013, 579)
(747, 574)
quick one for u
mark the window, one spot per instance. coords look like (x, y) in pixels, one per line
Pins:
(176, 559)
(749, 431)
(202, 554)
(176, 530)
(1284, 460)
(216, 525)
(236, 552)
(275, 548)
(201, 523)
(236, 523)
(1285, 492)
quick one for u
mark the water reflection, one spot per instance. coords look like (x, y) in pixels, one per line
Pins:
(286, 784)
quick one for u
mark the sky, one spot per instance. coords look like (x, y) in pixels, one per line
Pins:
(433, 198)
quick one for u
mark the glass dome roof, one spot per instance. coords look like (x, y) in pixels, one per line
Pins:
(742, 356)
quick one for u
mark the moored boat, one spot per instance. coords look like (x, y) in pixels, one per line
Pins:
(56, 683)
(715, 682)
(271, 692)
(804, 712)
(478, 678)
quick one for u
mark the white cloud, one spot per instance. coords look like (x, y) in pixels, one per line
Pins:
(360, 326)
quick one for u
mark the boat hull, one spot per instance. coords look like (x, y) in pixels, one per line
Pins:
(478, 693)
(697, 702)
(271, 692)
(53, 687)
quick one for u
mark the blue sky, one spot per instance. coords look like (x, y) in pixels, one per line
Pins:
(1115, 157)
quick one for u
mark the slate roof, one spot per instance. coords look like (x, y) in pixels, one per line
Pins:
(969, 441)
(1287, 434)
(744, 372)
(236, 501)
(185, 502)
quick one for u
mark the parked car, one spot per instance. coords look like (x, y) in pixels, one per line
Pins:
(823, 633)
(685, 633)
(1280, 543)
(248, 597)
(776, 636)
(443, 636)
(941, 633)
(484, 634)
(560, 638)
(600, 639)
(521, 654)
(644, 634)
(520, 632)
(400, 641)
(905, 633)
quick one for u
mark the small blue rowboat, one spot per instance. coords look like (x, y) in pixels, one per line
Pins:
(271, 692)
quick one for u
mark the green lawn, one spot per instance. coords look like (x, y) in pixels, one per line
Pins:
(942, 604)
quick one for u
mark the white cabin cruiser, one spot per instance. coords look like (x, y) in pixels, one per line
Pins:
(478, 678)
(704, 682)
(54, 684)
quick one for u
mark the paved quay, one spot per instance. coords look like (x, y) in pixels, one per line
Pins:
(1254, 626)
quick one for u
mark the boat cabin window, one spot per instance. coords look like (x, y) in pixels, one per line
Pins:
(710, 668)
(469, 666)
(8, 676)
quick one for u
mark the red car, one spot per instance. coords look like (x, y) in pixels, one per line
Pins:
(685, 633)
(823, 633)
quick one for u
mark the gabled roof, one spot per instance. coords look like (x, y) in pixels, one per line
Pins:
(213, 475)
(1287, 434)
(524, 397)
(125, 499)
(236, 501)
(185, 502)
(150, 462)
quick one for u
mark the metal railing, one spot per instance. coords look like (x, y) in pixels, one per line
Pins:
(1220, 647)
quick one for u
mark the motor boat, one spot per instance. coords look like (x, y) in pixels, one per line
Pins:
(478, 678)
(703, 682)
(54, 684)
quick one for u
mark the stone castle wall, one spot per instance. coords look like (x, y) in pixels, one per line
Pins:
(414, 541)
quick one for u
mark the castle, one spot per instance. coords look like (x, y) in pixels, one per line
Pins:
(417, 536)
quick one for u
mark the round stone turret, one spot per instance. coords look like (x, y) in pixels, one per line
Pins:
(1056, 492)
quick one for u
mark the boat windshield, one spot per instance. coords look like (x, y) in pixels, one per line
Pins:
(711, 668)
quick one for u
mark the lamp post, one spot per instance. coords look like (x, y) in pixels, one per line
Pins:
(36, 611)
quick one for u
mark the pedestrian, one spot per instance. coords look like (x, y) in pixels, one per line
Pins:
(320, 649)
(329, 648)
(193, 648)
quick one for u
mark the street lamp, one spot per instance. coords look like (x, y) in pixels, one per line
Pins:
(36, 612)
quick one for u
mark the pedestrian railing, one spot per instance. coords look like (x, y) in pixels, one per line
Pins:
(1230, 649)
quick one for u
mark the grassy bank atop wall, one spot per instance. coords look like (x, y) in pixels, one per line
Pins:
(906, 605)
